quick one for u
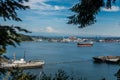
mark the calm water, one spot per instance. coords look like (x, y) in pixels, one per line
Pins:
(67, 56)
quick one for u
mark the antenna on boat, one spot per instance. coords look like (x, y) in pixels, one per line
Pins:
(14, 56)
(24, 54)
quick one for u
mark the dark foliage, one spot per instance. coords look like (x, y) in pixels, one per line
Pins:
(118, 74)
(9, 34)
(59, 75)
(16, 74)
(8, 9)
(2, 71)
(19, 74)
(86, 11)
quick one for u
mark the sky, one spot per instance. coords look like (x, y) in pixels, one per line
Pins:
(49, 18)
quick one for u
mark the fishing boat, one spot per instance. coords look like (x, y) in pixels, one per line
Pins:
(22, 64)
(107, 59)
(84, 44)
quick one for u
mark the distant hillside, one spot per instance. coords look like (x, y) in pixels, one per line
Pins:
(25, 37)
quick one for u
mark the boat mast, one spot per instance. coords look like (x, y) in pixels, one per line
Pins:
(24, 54)
(14, 56)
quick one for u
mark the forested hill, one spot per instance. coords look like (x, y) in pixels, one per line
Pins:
(25, 37)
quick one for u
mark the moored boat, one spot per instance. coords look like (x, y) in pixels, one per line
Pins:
(99, 58)
(22, 64)
(85, 44)
(107, 59)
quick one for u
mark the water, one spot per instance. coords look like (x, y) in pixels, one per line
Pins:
(69, 57)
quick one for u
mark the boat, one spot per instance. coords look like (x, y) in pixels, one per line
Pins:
(22, 64)
(99, 58)
(107, 59)
(80, 44)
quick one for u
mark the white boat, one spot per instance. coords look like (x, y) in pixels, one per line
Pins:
(22, 64)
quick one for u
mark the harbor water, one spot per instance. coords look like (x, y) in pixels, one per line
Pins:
(70, 58)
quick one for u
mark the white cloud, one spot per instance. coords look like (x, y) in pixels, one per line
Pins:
(45, 30)
(50, 30)
(42, 5)
(59, 7)
(36, 30)
(113, 9)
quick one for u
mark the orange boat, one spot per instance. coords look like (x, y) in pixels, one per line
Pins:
(85, 44)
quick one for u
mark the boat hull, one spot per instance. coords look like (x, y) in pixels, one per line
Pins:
(23, 65)
(85, 44)
(107, 59)
(96, 59)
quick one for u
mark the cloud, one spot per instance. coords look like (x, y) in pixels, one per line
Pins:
(50, 30)
(59, 7)
(113, 9)
(45, 30)
(42, 5)
(36, 30)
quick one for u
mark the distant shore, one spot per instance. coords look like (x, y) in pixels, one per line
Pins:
(75, 39)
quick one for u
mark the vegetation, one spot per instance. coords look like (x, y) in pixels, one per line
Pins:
(60, 75)
(85, 15)
(23, 37)
(9, 34)
(86, 11)
(17, 74)
(118, 74)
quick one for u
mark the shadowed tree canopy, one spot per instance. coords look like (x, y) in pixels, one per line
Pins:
(8, 11)
(86, 11)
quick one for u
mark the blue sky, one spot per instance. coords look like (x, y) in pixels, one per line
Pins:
(49, 18)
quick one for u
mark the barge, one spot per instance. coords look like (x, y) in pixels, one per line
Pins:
(107, 59)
